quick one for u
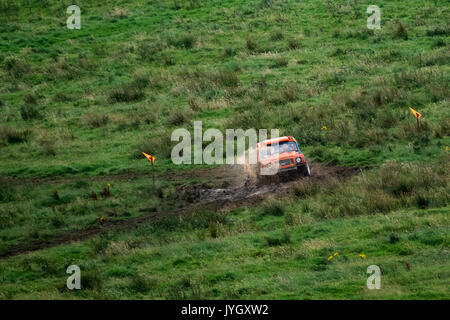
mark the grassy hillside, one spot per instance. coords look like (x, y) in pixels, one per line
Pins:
(279, 250)
(79, 106)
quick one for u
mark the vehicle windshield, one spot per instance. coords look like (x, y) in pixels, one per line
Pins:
(278, 148)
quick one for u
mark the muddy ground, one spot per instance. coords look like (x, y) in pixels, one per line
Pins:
(241, 187)
(230, 186)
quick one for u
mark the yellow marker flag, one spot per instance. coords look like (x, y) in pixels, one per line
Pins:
(416, 114)
(149, 157)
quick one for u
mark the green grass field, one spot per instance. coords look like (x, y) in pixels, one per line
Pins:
(79, 106)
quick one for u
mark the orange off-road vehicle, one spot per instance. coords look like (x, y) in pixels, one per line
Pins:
(283, 151)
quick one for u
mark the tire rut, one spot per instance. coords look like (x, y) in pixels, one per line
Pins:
(238, 194)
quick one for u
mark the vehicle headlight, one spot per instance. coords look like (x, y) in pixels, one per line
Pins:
(298, 160)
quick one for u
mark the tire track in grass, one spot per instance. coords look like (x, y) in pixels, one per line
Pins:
(241, 192)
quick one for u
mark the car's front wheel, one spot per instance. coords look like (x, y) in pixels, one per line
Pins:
(306, 170)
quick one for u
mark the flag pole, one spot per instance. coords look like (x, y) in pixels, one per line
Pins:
(153, 174)
(417, 115)
(152, 160)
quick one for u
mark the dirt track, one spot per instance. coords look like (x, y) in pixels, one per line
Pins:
(246, 189)
(231, 188)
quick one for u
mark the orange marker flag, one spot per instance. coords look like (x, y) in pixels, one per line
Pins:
(149, 157)
(416, 114)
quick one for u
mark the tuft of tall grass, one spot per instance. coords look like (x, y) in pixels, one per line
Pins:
(280, 62)
(15, 66)
(125, 93)
(196, 103)
(147, 51)
(251, 46)
(94, 120)
(229, 52)
(274, 208)
(280, 240)
(46, 142)
(120, 13)
(142, 284)
(276, 35)
(141, 80)
(293, 44)
(185, 288)
(209, 83)
(178, 117)
(30, 112)
(11, 135)
(281, 96)
(442, 128)
(7, 192)
(31, 98)
(91, 280)
(401, 31)
(186, 41)
(307, 189)
(158, 144)
(437, 31)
